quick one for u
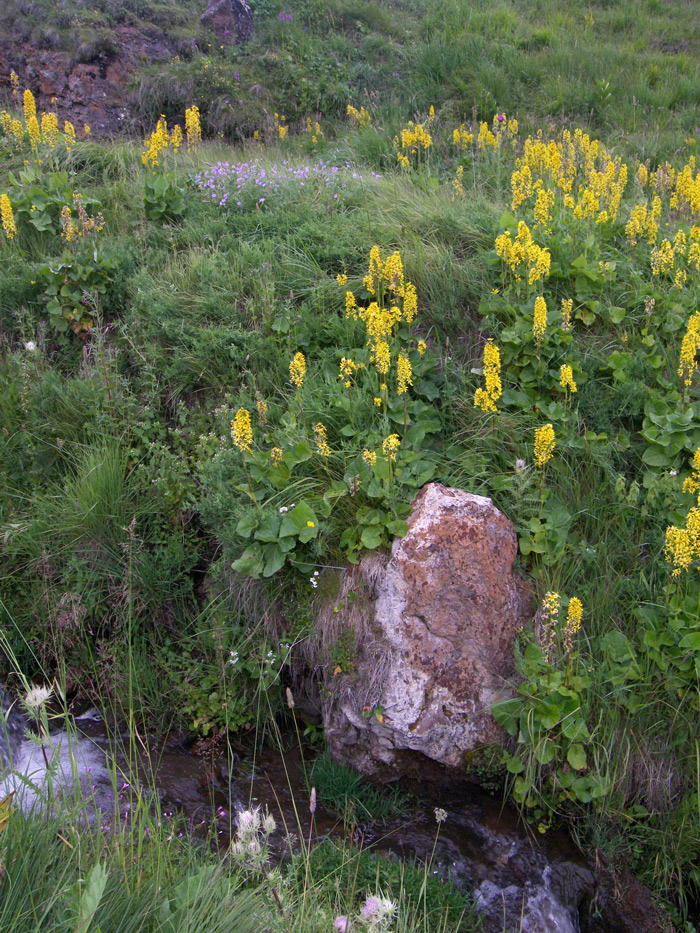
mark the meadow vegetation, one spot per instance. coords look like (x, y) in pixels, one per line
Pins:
(381, 244)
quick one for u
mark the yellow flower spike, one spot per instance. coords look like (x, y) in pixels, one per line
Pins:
(545, 443)
(242, 431)
(689, 348)
(422, 347)
(369, 456)
(678, 549)
(390, 445)
(380, 355)
(297, 370)
(49, 129)
(566, 378)
(410, 302)
(377, 401)
(404, 374)
(486, 399)
(371, 280)
(359, 117)
(29, 106)
(193, 127)
(7, 217)
(320, 436)
(567, 307)
(350, 306)
(261, 406)
(69, 133)
(276, 455)
(574, 614)
(539, 323)
(341, 279)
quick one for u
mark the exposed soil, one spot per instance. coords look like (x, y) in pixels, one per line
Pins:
(86, 92)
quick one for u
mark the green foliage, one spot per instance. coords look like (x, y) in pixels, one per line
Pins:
(163, 197)
(123, 501)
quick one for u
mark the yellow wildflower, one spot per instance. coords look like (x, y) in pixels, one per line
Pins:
(350, 306)
(377, 401)
(69, 231)
(392, 273)
(261, 406)
(458, 182)
(410, 302)
(404, 374)
(241, 430)
(575, 614)
(69, 132)
(539, 323)
(678, 550)
(567, 307)
(544, 445)
(7, 217)
(297, 370)
(193, 127)
(573, 623)
(566, 378)
(371, 280)
(381, 357)
(49, 129)
(369, 456)
(276, 455)
(486, 399)
(321, 439)
(359, 117)
(34, 132)
(689, 348)
(422, 346)
(176, 138)
(29, 106)
(390, 445)
(341, 278)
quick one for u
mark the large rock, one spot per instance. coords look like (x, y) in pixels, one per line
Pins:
(445, 612)
(230, 20)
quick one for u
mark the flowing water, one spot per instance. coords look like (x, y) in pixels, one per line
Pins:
(537, 885)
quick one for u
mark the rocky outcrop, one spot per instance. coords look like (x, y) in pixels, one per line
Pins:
(91, 90)
(445, 612)
(230, 20)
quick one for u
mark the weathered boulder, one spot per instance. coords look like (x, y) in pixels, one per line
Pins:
(445, 612)
(230, 20)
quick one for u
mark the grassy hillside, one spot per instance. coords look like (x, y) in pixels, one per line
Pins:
(174, 498)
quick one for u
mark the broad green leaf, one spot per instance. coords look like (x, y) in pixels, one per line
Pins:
(576, 756)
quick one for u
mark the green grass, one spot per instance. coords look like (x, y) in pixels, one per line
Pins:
(343, 791)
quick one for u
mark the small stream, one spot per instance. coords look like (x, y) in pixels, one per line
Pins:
(521, 882)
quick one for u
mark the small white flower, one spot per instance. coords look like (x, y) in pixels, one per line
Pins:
(268, 824)
(30, 346)
(283, 509)
(440, 815)
(673, 472)
(313, 581)
(520, 466)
